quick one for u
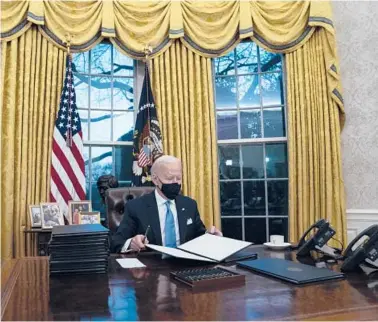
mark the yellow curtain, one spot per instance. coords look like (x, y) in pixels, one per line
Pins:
(183, 89)
(208, 27)
(32, 77)
(315, 170)
(182, 79)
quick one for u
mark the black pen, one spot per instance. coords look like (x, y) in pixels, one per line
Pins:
(145, 236)
(146, 233)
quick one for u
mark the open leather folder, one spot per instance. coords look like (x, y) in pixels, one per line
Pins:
(209, 248)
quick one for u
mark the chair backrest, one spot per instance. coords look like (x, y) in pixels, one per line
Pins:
(115, 199)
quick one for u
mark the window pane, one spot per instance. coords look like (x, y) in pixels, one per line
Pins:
(225, 65)
(101, 62)
(227, 125)
(270, 61)
(87, 190)
(100, 126)
(276, 160)
(232, 228)
(255, 230)
(278, 226)
(277, 198)
(254, 198)
(123, 162)
(250, 124)
(123, 126)
(96, 199)
(81, 90)
(230, 198)
(271, 89)
(83, 114)
(225, 89)
(86, 161)
(123, 93)
(80, 62)
(122, 65)
(253, 161)
(274, 122)
(101, 93)
(124, 183)
(246, 56)
(229, 165)
(249, 92)
(101, 161)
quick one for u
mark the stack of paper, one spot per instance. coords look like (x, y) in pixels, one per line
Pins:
(78, 249)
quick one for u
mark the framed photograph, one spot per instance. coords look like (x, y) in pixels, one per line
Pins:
(51, 215)
(35, 216)
(89, 217)
(75, 208)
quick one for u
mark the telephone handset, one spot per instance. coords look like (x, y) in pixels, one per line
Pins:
(367, 250)
(321, 237)
(318, 224)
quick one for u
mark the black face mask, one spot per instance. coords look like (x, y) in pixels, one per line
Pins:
(171, 190)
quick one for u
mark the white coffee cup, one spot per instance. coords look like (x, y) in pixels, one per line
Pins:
(277, 239)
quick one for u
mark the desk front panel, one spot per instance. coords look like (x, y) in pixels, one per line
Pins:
(149, 294)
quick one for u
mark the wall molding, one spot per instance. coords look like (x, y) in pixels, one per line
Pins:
(362, 214)
(358, 220)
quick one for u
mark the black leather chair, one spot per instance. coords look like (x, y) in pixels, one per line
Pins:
(115, 199)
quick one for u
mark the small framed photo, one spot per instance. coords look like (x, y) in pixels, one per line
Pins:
(75, 208)
(89, 217)
(35, 216)
(51, 215)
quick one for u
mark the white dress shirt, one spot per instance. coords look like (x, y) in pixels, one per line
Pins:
(162, 209)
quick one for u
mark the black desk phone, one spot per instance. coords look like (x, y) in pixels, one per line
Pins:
(321, 237)
(368, 249)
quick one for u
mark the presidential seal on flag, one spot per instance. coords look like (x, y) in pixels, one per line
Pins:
(147, 139)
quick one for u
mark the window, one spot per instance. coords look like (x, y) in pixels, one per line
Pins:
(252, 152)
(104, 81)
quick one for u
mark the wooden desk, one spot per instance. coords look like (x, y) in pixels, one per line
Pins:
(148, 294)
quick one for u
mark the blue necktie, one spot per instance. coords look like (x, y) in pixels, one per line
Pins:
(170, 232)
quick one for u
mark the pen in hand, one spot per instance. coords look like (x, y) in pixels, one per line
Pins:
(145, 235)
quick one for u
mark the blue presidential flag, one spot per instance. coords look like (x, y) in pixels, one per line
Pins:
(147, 144)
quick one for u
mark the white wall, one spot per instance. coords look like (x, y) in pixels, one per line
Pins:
(357, 40)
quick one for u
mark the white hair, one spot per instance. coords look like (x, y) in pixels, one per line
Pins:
(164, 159)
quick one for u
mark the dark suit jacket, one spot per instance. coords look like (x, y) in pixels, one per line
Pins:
(143, 211)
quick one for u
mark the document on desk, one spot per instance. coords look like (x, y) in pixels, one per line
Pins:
(130, 263)
(175, 252)
(214, 247)
(205, 248)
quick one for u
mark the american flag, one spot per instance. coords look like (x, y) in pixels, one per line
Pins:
(67, 164)
(145, 157)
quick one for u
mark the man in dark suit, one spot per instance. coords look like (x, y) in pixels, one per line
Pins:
(173, 218)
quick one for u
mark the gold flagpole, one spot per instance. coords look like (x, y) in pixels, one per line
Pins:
(147, 52)
(70, 84)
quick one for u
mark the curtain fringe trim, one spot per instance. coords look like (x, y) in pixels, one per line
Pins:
(174, 32)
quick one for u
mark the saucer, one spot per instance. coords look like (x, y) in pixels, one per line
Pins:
(277, 246)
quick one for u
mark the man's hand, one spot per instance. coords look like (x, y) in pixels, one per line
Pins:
(214, 231)
(138, 243)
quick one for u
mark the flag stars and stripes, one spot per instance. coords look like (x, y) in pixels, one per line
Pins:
(67, 166)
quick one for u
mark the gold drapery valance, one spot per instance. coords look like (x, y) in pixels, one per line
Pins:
(209, 28)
